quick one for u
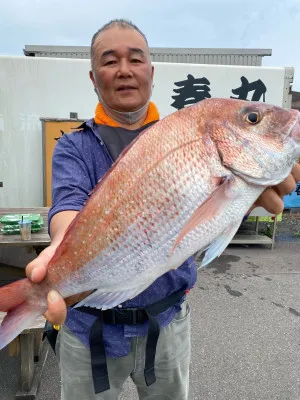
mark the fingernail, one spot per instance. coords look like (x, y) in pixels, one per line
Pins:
(53, 296)
(33, 274)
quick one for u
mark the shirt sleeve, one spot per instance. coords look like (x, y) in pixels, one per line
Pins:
(71, 181)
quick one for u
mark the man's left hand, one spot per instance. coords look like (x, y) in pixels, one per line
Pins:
(271, 198)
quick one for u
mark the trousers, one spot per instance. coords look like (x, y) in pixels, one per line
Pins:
(172, 363)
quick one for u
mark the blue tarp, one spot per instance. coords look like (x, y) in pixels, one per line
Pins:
(293, 200)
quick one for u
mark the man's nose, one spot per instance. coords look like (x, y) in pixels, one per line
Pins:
(124, 68)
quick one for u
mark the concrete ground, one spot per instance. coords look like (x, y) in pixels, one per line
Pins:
(245, 330)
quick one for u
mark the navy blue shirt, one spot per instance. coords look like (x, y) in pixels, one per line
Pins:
(80, 160)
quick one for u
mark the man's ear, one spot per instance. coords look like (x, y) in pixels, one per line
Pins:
(92, 78)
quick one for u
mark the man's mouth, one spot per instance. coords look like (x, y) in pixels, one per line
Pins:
(125, 87)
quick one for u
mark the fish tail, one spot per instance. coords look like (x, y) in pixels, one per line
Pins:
(15, 321)
(20, 314)
(13, 294)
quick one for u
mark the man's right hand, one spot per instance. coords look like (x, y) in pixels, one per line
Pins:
(57, 306)
(36, 271)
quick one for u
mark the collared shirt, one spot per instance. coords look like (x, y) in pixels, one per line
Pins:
(80, 160)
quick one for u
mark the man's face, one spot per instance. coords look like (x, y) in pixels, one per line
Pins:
(122, 69)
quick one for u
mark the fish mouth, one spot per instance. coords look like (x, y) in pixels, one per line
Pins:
(251, 180)
(294, 131)
(294, 136)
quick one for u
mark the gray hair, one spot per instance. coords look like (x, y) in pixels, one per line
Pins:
(120, 23)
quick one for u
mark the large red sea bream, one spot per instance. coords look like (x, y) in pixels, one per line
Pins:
(182, 187)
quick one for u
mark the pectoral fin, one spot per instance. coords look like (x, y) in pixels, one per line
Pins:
(216, 248)
(211, 207)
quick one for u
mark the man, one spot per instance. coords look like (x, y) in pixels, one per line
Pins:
(122, 76)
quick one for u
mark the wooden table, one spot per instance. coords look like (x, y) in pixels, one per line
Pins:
(28, 345)
(38, 239)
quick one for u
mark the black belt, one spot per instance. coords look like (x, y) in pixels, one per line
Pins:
(128, 316)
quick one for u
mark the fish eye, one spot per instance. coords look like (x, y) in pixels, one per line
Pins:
(253, 117)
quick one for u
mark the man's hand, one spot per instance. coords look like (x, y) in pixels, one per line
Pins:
(36, 271)
(57, 306)
(271, 198)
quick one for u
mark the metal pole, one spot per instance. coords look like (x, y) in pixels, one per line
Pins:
(256, 224)
(274, 232)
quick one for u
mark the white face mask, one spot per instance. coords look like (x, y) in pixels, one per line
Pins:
(126, 117)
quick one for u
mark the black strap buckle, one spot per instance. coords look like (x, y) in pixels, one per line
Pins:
(128, 316)
(134, 316)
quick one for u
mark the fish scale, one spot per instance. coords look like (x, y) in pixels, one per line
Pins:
(182, 187)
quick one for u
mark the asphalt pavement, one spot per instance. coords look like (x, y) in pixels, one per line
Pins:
(245, 311)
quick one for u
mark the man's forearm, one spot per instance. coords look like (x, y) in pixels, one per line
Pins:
(59, 224)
